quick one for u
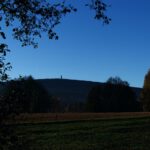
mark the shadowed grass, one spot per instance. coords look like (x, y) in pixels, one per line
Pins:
(103, 134)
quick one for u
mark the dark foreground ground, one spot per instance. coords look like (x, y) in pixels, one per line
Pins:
(118, 133)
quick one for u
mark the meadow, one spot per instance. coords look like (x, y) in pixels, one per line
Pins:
(103, 131)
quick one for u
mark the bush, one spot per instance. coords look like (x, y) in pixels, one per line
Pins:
(145, 94)
(28, 96)
(114, 96)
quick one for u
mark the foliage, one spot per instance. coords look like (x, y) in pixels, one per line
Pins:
(117, 81)
(36, 16)
(28, 94)
(145, 94)
(9, 108)
(95, 98)
(114, 96)
(4, 67)
(122, 97)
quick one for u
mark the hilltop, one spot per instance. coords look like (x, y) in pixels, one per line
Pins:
(70, 91)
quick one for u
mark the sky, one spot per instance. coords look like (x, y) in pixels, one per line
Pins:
(89, 50)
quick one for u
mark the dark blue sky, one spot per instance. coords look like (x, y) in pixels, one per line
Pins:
(89, 50)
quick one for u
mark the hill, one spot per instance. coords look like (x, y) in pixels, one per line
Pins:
(70, 91)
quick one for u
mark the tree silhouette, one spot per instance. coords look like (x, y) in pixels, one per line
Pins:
(9, 108)
(96, 101)
(4, 67)
(145, 94)
(122, 97)
(36, 16)
(28, 95)
(117, 81)
(114, 96)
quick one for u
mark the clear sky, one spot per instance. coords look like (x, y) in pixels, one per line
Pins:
(89, 50)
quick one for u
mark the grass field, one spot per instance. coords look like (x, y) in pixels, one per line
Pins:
(47, 117)
(127, 131)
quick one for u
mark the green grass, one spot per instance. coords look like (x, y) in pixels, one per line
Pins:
(111, 134)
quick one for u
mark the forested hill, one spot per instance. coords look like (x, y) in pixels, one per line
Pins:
(71, 91)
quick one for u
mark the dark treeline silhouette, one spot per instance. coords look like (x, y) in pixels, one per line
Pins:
(29, 96)
(145, 94)
(114, 96)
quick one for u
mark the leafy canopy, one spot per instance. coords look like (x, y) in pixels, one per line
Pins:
(113, 96)
(37, 16)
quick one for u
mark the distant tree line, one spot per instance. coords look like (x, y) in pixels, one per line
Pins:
(29, 96)
(26, 95)
(114, 96)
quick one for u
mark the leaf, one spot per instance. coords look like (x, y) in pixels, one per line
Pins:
(1, 65)
(7, 23)
(56, 38)
(3, 35)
